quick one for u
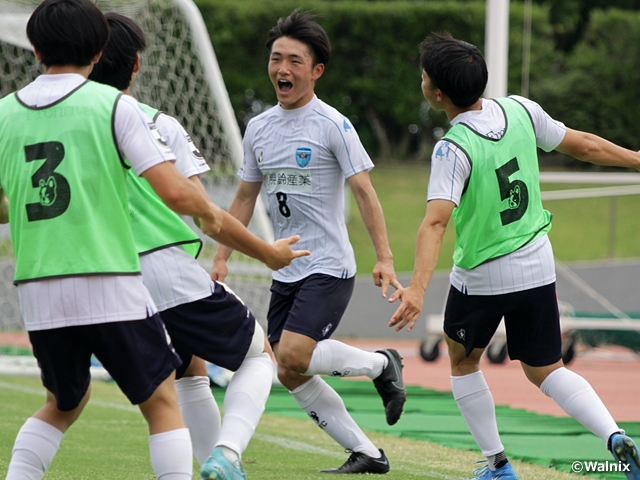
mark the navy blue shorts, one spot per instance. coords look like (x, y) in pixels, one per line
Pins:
(312, 306)
(137, 354)
(218, 328)
(531, 319)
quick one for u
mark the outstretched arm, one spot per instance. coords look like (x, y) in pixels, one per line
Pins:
(241, 208)
(184, 197)
(373, 218)
(428, 246)
(594, 149)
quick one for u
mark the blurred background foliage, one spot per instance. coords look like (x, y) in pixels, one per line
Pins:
(584, 63)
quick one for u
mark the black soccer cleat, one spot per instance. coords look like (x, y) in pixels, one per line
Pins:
(390, 386)
(362, 463)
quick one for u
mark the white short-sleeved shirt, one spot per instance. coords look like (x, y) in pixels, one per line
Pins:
(172, 275)
(303, 156)
(528, 267)
(86, 300)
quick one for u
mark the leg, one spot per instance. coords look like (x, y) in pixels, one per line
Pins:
(321, 402)
(39, 439)
(199, 409)
(301, 315)
(169, 441)
(330, 357)
(578, 399)
(244, 403)
(471, 392)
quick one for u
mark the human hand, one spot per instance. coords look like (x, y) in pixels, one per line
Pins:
(412, 300)
(283, 255)
(220, 270)
(385, 275)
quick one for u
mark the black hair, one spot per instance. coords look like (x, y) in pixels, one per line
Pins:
(119, 55)
(300, 26)
(67, 32)
(455, 67)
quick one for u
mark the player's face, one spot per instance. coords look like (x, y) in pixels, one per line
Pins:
(292, 72)
(430, 92)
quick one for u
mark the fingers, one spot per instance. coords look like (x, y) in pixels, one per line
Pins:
(293, 239)
(301, 253)
(406, 314)
(396, 295)
(385, 287)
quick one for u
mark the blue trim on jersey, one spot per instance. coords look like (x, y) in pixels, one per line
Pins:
(341, 135)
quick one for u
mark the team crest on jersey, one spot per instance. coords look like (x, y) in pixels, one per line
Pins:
(259, 155)
(303, 156)
(515, 197)
(48, 191)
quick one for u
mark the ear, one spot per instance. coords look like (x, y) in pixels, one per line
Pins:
(96, 59)
(38, 54)
(317, 71)
(136, 66)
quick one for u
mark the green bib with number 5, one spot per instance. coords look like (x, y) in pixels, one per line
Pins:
(65, 181)
(500, 210)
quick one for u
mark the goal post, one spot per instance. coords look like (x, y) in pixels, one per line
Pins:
(180, 76)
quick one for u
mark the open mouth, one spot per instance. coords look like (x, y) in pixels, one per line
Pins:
(284, 86)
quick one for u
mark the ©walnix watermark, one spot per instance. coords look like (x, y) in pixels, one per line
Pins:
(586, 466)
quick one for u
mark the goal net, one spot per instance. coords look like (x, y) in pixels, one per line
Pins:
(180, 76)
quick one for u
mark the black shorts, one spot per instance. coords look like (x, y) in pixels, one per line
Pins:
(218, 328)
(312, 306)
(137, 354)
(531, 319)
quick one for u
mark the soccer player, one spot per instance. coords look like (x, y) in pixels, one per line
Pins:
(302, 150)
(63, 171)
(202, 317)
(484, 175)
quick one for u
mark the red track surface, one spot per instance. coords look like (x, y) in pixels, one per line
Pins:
(614, 373)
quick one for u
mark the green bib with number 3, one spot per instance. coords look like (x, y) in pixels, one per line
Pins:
(501, 209)
(65, 181)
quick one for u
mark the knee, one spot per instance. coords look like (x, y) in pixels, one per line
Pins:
(293, 358)
(291, 361)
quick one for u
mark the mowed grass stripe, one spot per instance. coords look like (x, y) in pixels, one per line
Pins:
(109, 441)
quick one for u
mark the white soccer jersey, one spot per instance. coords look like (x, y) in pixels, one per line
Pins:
(172, 275)
(86, 300)
(530, 266)
(303, 156)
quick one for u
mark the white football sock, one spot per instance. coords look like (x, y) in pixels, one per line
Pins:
(171, 455)
(244, 402)
(323, 404)
(475, 402)
(36, 444)
(200, 413)
(576, 397)
(338, 359)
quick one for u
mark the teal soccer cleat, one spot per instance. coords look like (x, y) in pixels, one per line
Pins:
(505, 472)
(625, 451)
(218, 467)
